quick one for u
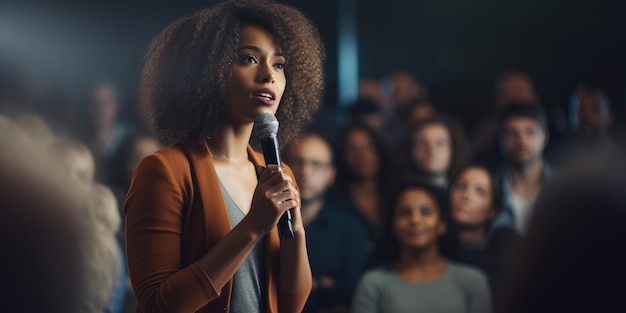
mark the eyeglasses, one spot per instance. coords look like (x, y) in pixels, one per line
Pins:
(316, 166)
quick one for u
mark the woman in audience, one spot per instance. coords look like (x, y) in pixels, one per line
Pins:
(434, 151)
(364, 172)
(415, 275)
(104, 275)
(475, 198)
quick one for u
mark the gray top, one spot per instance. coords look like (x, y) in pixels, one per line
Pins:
(249, 281)
(460, 289)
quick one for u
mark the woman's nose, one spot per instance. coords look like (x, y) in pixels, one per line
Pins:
(266, 75)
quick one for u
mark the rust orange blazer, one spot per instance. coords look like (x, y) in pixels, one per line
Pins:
(175, 213)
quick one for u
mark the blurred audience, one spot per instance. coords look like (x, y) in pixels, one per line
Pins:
(365, 174)
(434, 151)
(591, 118)
(367, 112)
(370, 89)
(572, 259)
(336, 241)
(105, 279)
(514, 86)
(414, 274)
(524, 136)
(511, 87)
(36, 128)
(475, 199)
(102, 130)
(131, 152)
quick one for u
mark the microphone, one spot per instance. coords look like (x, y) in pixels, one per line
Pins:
(266, 128)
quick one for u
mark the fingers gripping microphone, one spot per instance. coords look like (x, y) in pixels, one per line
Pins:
(266, 128)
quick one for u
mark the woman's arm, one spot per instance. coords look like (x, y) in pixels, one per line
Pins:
(154, 215)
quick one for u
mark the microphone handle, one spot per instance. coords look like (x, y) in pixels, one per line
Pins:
(271, 154)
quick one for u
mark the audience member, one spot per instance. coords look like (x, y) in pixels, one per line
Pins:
(367, 112)
(364, 175)
(475, 199)
(511, 87)
(105, 279)
(36, 128)
(514, 86)
(370, 89)
(403, 88)
(415, 275)
(131, 153)
(591, 117)
(573, 257)
(434, 151)
(102, 131)
(418, 110)
(524, 137)
(336, 241)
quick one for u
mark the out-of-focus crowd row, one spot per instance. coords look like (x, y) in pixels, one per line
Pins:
(509, 207)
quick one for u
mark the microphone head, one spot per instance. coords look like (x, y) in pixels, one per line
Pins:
(265, 126)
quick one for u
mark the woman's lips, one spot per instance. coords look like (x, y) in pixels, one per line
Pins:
(266, 96)
(265, 100)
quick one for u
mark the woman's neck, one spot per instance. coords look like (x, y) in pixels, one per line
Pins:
(421, 265)
(231, 143)
(472, 234)
(419, 258)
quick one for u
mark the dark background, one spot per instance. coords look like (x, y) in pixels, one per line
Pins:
(454, 47)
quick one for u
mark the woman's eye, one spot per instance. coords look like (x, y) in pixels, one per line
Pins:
(280, 66)
(248, 59)
(481, 192)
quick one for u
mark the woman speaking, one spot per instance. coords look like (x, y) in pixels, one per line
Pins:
(201, 213)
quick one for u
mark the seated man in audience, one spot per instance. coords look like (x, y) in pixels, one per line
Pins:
(510, 87)
(524, 136)
(336, 241)
(591, 118)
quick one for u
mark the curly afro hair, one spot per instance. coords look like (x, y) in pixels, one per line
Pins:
(188, 66)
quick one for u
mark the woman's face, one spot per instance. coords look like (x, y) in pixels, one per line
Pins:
(257, 80)
(78, 169)
(471, 198)
(432, 149)
(417, 222)
(361, 154)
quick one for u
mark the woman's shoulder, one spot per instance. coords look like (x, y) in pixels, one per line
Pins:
(467, 274)
(377, 276)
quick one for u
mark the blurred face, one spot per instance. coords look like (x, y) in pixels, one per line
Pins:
(524, 140)
(416, 222)
(471, 198)
(104, 105)
(405, 88)
(515, 89)
(361, 154)
(257, 80)
(310, 160)
(593, 116)
(370, 89)
(422, 112)
(79, 168)
(432, 149)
